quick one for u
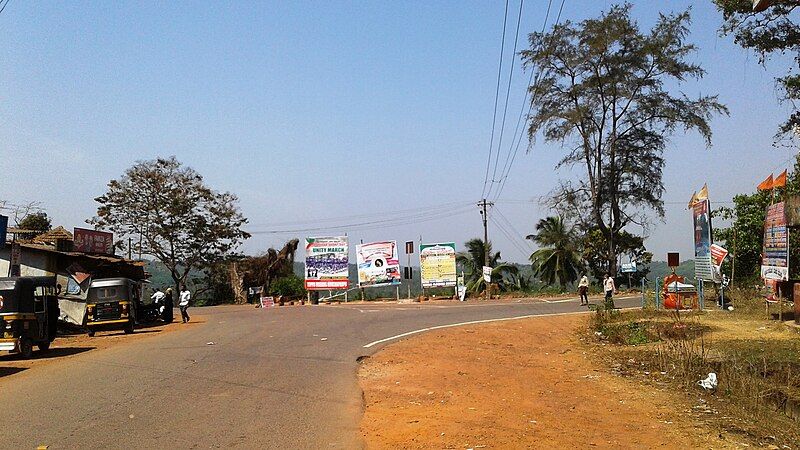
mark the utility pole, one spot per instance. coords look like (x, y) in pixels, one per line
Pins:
(483, 204)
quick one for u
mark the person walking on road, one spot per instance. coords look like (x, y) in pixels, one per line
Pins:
(186, 296)
(609, 287)
(583, 290)
(168, 305)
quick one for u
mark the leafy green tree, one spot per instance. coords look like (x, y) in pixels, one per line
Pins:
(505, 276)
(558, 259)
(37, 221)
(608, 92)
(182, 222)
(629, 246)
(773, 31)
(289, 286)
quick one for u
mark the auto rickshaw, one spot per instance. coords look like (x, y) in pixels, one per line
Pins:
(112, 304)
(28, 313)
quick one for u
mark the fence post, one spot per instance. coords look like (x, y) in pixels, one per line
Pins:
(656, 300)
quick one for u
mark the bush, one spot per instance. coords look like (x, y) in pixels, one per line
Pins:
(289, 286)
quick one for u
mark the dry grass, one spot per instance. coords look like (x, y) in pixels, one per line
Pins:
(757, 363)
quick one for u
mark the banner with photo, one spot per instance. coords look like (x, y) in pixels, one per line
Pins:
(775, 254)
(378, 264)
(437, 264)
(703, 267)
(327, 263)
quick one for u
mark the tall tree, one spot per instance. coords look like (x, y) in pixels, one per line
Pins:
(607, 92)
(182, 222)
(505, 276)
(775, 30)
(37, 221)
(559, 258)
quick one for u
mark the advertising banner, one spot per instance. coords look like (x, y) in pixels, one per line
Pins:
(3, 230)
(702, 240)
(437, 263)
(718, 255)
(487, 274)
(775, 254)
(267, 302)
(92, 241)
(327, 263)
(378, 264)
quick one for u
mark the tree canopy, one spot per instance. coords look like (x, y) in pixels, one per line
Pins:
(182, 222)
(608, 92)
(773, 31)
(37, 221)
(559, 258)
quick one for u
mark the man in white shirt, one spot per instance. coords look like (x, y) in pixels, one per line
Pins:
(158, 300)
(186, 296)
(609, 287)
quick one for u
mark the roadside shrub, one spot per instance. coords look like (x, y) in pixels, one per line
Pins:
(288, 286)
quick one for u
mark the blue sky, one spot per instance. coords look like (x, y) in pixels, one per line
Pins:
(317, 110)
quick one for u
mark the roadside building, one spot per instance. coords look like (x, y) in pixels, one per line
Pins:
(52, 254)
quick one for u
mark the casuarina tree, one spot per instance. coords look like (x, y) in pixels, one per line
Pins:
(171, 215)
(608, 92)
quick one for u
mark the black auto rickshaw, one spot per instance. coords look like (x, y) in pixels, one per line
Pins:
(28, 313)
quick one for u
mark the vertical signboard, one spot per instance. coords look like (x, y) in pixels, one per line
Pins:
(775, 254)
(378, 264)
(92, 241)
(3, 230)
(437, 264)
(702, 240)
(327, 263)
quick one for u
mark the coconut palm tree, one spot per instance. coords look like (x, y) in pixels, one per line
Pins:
(505, 276)
(558, 258)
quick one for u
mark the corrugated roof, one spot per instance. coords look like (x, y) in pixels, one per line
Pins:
(51, 249)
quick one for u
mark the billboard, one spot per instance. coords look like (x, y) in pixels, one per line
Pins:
(437, 263)
(701, 212)
(378, 264)
(92, 241)
(775, 253)
(327, 263)
(3, 230)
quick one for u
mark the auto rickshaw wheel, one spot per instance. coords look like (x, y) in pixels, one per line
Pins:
(43, 346)
(128, 328)
(25, 347)
(90, 333)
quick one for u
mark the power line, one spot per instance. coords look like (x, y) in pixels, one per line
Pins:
(4, 6)
(299, 223)
(534, 87)
(496, 97)
(505, 106)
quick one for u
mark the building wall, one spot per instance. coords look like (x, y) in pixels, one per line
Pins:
(32, 263)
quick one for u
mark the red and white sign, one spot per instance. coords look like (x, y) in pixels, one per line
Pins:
(267, 302)
(718, 254)
(92, 241)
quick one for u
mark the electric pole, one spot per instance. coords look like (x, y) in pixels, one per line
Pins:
(483, 204)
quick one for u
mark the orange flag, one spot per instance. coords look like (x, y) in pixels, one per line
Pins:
(766, 185)
(780, 180)
(692, 200)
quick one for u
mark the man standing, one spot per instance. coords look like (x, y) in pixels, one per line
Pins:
(186, 296)
(583, 290)
(609, 287)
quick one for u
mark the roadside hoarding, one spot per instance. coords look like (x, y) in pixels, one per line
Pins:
(628, 267)
(3, 230)
(437, 264)
(775, 254)
(718, 255)
(92, 241)
(327, 263)
(378, 264)
(701, 212)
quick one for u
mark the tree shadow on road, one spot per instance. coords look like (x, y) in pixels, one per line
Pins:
(6, 371)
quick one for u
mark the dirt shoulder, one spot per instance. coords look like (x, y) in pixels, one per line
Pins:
(518, 384)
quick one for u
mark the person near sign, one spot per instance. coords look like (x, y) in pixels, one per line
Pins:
(609, 287)
(583, 290)
(186, 297)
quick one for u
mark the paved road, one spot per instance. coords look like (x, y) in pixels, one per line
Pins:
(277, 378)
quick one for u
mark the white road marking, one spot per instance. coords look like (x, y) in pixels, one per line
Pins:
(472, 322)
